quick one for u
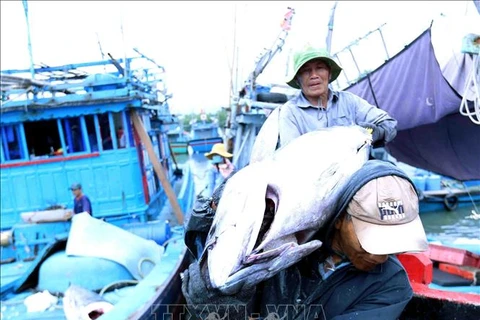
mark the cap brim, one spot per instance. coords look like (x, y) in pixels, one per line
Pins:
(209, 155)
(391, 239)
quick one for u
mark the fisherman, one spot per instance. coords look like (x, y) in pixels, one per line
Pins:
(355, 273)
(81, 203)
(221, 167)
(318, 106)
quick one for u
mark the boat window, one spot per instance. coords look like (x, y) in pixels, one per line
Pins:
(72, 131)
(11, 143)
(91, 133)
(43, 138)
(121, 135)
(104, 123)
(130, 136)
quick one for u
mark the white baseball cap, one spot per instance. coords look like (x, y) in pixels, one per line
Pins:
(385, 217)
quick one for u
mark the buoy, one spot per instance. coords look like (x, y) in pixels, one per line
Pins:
(450, 202)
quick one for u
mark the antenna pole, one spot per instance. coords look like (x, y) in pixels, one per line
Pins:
(32, 69)
(330, 27)
(100, 46)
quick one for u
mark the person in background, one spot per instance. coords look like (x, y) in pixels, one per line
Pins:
(353, 275)
(81, 203)
(121, 139)
(317, 105)
(220, 169)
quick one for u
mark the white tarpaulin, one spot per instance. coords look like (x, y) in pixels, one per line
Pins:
(92, 237)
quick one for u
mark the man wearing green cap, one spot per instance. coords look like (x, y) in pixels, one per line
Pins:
(318, 106)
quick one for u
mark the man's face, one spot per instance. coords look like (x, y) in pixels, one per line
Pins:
(348, 244)
(313, 77)
(76, 192)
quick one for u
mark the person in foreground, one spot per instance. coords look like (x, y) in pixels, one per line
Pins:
(221, 167)
(354, 275)
(81, 203)
(318, 106)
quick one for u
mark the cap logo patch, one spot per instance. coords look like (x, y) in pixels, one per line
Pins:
(391, 210)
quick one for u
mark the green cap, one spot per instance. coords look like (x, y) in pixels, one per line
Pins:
(310, 53)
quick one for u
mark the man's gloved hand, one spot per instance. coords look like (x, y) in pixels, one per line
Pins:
(378, 133)
(198, 296)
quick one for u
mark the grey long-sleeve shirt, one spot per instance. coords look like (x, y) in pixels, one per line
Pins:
(298, 116)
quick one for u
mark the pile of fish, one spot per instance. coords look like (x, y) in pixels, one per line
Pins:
(271, 208)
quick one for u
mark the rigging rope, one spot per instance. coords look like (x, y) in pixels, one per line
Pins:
(473, 77)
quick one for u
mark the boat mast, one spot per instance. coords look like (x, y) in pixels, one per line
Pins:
(32, 69)
(330, 27)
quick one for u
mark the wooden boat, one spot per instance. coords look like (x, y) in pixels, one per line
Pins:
(445, 281)
(203, 135)
(72, 124)
(450, 198)
(178, 140)
(437, 192)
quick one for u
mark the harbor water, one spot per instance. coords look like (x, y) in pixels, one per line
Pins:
(460, 227)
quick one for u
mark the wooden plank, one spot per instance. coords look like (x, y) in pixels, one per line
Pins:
(466, 272)
(137, 123)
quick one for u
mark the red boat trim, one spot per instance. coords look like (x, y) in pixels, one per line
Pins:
(454, 256)
(49, 160)
(423, 290)
(418, 266)
(419, 269)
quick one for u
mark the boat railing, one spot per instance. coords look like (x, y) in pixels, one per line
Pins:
(68, 84)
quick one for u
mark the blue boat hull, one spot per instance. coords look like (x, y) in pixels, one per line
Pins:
(449, 203)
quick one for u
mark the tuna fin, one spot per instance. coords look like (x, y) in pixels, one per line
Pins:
(267, 138)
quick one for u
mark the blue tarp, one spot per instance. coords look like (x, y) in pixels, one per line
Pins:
(432, 135)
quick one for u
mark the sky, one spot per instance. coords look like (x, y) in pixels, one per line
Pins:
(196, 41)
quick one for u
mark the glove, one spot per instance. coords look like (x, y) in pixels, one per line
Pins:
(378, 133)
(226, 169)
(199, 297)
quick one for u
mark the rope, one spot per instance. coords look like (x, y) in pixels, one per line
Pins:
(473, 77)
(471, 199)
(102, 292)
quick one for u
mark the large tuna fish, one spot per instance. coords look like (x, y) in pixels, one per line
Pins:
(270, 209)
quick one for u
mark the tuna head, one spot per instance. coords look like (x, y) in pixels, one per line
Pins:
(237, 221)
(319, 164)
(270, 209)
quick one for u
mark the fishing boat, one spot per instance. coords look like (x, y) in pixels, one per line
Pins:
(445, 281)
(431, 125)
(203, 135)
(253, 103)
(437, 192)
(439, 129)
(437, 145)
(178, 140)
(97, 123)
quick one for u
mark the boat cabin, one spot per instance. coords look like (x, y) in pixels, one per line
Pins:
(73, 123)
